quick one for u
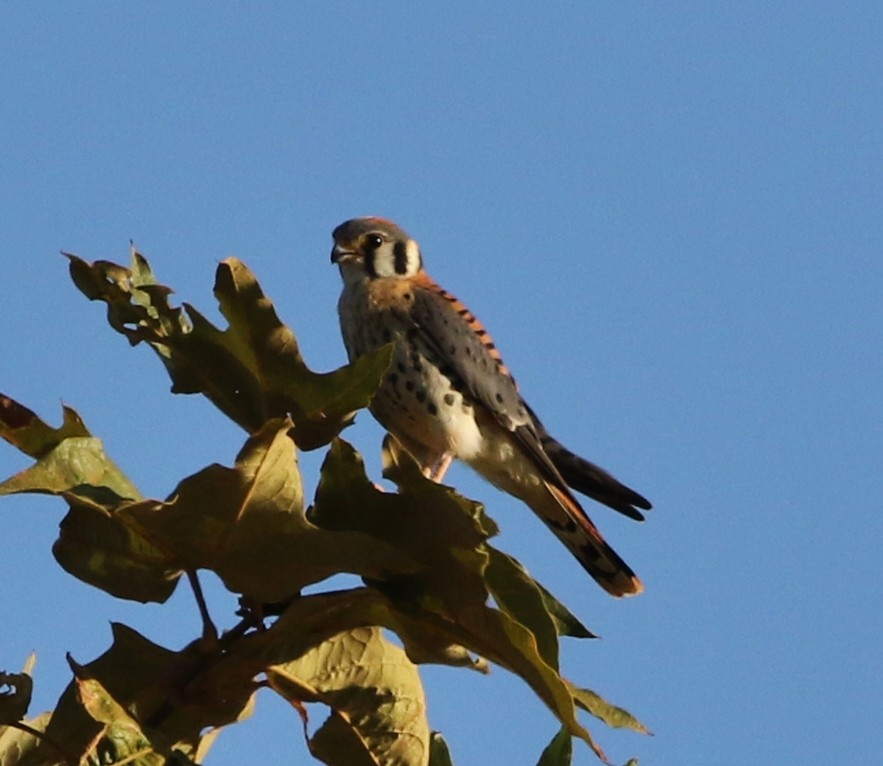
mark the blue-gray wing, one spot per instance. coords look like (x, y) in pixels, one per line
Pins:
(465, 353)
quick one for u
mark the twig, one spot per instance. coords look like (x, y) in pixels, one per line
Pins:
(209, 631)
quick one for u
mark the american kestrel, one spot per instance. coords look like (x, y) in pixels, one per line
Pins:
(448, 395)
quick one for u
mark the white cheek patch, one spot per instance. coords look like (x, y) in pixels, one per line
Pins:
(397, 259)
(412, 251)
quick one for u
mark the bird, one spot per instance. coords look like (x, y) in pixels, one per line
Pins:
(447, 395)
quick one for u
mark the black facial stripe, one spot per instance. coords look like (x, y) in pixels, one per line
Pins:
(369, 262)
(400, 251)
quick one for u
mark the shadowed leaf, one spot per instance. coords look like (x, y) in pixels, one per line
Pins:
(92, 544)
(140, 687)
(447, 532)
(96, 548)
(14, 703)
(430, 524)
(247, 524)
(518, 595)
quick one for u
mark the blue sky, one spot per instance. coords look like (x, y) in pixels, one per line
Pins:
(668, 215)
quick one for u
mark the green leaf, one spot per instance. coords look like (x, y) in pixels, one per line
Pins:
(559, 752)
(374, 691)
(77, 465)
(439, 754)
(247, 524)
(253, 370)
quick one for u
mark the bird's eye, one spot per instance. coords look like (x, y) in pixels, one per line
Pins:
(373, 241)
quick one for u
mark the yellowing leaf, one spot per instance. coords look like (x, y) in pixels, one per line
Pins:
(374, 691)
(612, 715)
(23, 429)
(252, 371)
(20, 747)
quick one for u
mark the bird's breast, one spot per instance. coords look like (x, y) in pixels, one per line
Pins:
(420, 398)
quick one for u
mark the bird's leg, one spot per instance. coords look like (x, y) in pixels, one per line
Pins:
(436, 470)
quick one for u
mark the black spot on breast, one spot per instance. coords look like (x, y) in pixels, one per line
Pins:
(421, 396)
(401, 368)
(409, 384)
(499, 398)
(433, 410)
(393, 378)
(387, 336)
(450, 399)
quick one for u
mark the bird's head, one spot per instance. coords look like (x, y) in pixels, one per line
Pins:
(374, 248)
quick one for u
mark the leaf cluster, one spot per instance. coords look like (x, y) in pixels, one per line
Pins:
(427, 570)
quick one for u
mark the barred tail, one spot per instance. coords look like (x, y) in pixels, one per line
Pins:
(566, 518)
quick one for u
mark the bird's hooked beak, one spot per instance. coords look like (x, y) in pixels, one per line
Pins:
(341, 254)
